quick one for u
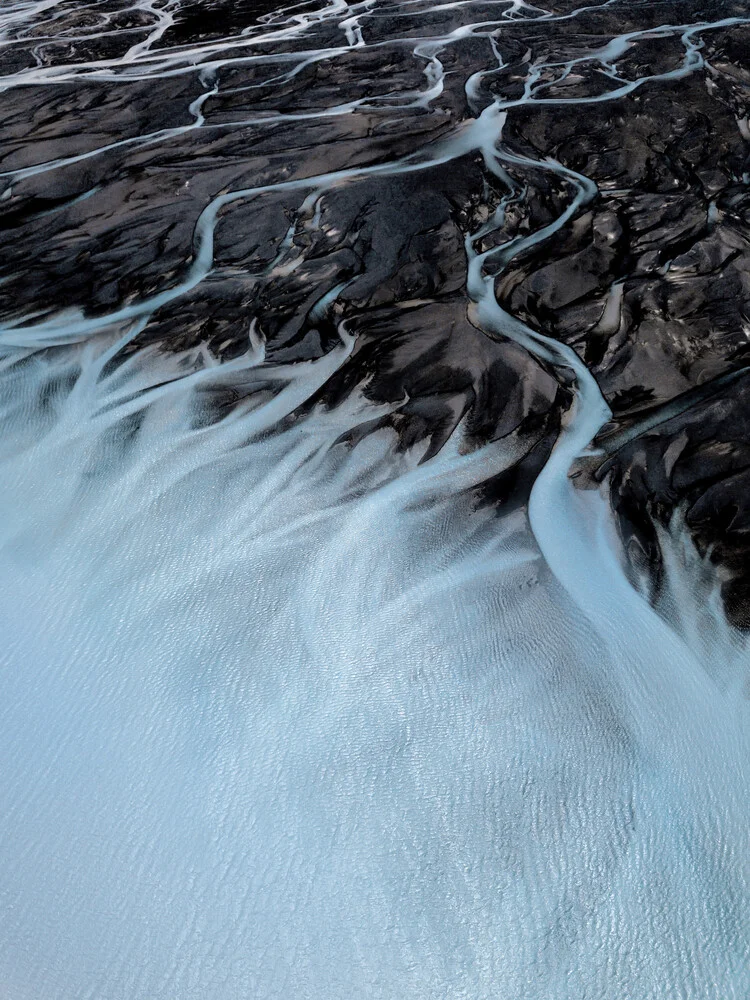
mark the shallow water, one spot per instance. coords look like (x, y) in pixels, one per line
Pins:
(285, 717)
(289, 719)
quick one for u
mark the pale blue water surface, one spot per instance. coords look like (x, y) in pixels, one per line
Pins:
(287, 719)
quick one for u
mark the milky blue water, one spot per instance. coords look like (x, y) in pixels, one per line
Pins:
(282, 718)
(292, 720)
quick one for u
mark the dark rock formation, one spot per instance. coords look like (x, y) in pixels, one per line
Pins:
(123, 120)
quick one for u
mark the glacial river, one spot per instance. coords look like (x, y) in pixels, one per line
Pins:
(286, 719)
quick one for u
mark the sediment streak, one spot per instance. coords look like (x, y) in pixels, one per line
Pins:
(284, 717)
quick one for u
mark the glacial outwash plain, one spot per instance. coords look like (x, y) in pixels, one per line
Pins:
(374, 500)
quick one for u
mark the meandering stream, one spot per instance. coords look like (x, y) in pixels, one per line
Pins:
(286, 716)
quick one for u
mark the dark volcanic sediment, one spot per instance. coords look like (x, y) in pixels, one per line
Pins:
(123, 121)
